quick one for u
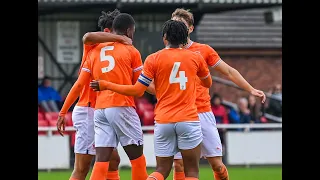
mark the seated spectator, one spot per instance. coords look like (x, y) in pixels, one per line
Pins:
(244, 111)
(219, 110)
(48, 97)
(233, 115)
(255, 109)
(275, 106)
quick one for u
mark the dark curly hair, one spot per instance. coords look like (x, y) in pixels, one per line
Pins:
(176, 32)
(106, 19)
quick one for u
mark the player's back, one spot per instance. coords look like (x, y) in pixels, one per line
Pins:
(212, 59)
(87, 96)
(175, 78)
(112, 62)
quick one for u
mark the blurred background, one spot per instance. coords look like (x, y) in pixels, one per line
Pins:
(247, 34)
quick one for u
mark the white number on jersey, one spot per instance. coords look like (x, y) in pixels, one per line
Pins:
(104, 57)
(182, 79)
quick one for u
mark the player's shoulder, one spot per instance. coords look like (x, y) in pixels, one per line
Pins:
(153, 55)
(131, 48)
(191, 53)
(158, 53)
(202, 46)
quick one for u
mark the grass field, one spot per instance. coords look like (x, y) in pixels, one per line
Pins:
(236, 173)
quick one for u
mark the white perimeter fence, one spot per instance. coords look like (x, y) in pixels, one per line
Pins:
(257, 144)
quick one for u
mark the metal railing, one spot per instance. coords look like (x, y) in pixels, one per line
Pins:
(235, 106)
(49, 130)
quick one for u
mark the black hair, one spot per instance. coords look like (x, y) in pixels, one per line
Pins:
(106, 19)
(176, 32)
(216, 96)
(122, 23)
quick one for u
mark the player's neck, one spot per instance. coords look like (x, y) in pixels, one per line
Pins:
(119, 33)
(188, 44)
(172, 46)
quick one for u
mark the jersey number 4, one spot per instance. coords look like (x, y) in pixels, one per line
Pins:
(182, 79)
(104, 57)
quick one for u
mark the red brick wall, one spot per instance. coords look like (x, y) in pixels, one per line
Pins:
(261, 72)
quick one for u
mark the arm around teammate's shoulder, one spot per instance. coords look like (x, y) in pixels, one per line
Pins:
(101, 37)
(203, 72)
(138, 89)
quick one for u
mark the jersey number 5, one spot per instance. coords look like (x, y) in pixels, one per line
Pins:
(104, 57)
(182, 79)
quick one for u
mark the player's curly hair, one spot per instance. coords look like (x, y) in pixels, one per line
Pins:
(176, 32)
(106, 19)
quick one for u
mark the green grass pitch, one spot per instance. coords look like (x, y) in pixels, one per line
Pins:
(236, 173)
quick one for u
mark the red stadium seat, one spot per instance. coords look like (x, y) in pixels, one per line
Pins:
(51, 115)
(69, 122)
(52, 118)
(42, 123)
(69, 119)
(40, 116)
(141, 100)
(142, 107)
(148, 118)
(40, 109)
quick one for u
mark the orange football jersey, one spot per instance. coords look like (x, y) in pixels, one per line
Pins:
(175, 72)
(212, 59)
(87, 96)
(113, 62)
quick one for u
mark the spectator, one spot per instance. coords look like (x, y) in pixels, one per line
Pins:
(233, 115)
(48, 97)
(275, 106)
(244, 112)
(219, 110)
(255, 109)
(220, 113)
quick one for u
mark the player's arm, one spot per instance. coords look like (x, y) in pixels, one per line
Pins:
(137, 69)
(102, 37)
(151, 89)
(216, 63)
(204, 73)
(129, 90)
(238, 79)
(141, 85)
(84, 78)
(233, 75)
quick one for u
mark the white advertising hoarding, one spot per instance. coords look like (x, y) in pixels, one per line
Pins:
(255, 147)
(53, 152)
(68, 42)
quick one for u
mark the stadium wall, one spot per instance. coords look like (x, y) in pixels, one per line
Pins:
(262, 72)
